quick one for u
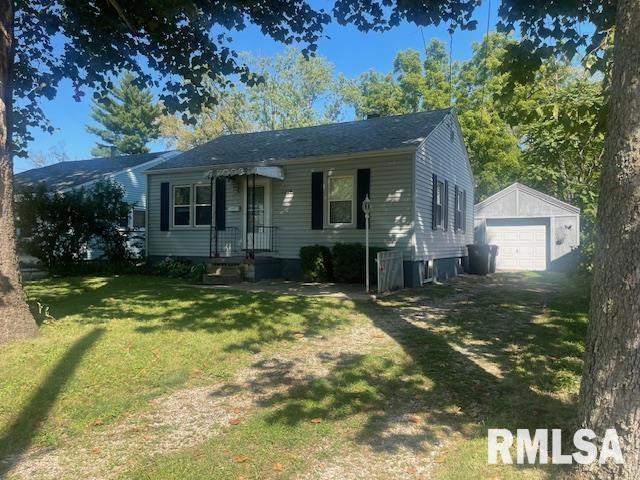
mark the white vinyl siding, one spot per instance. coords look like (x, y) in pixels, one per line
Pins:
(184, 241)
(447, 159)
(391, 196)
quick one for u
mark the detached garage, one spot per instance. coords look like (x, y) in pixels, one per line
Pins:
(533, 230)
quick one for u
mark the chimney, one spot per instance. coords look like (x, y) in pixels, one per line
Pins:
(373, 115)
(113, 150)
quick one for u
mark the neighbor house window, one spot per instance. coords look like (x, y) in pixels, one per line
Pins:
(203, 204)
(182, 205)
(439, 204)
(139, 219)
(340, 199)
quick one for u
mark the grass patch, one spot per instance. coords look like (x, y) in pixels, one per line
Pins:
(497, 352)
(117, 342)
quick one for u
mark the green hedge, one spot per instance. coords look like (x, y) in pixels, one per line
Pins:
(348, 262)
(316, 263)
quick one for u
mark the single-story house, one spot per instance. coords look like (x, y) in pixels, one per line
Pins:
(259, 197)
(127, 170)
(533, 230)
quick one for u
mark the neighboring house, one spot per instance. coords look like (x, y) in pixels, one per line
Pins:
(533, 230)
(261, 196)
(127, 170)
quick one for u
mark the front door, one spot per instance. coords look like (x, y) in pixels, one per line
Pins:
(257, 224)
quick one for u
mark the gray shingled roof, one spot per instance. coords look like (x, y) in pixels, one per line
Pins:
(374, 134)
(63, 175)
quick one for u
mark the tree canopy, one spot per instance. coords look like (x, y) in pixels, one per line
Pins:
(294, 91)
(128, 117)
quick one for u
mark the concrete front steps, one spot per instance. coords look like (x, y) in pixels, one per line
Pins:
(229, 270)
(224, 271)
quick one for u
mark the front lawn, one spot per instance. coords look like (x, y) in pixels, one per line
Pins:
(141, 377)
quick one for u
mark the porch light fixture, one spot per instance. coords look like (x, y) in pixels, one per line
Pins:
(366, 208)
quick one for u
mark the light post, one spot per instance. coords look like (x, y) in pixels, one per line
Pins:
(366, 208)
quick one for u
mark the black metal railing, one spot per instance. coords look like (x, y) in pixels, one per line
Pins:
(224, 241)
(261, 238)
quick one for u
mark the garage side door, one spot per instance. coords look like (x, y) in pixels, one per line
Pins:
(521, 247)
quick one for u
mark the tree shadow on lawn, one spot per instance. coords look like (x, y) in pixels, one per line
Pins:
(157, 305)
(500, 352)
(18, 436)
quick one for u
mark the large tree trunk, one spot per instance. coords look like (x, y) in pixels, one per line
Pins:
(610, 392)
(16, 320)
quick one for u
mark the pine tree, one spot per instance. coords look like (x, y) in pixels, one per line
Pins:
(129, 119)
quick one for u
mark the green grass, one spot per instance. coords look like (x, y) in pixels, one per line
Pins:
(117, 342)
(505, 353)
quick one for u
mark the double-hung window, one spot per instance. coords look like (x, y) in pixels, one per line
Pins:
(439, 204)
(182, 206)
(460, 220)
(340, 199)
(203, 204)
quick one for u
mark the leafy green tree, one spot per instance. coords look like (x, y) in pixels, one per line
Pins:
(438, 86)
(230, 115)
(418, 84)
(170, 45)
(373, 93)
(563, 143)
(57, 228)
(129, 119)
(294, 91)
(492, 143)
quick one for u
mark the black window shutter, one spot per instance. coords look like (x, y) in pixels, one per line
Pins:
(456, 217)
(434, 200)
(464, 211)
(446, 204)
(364, 181)
(317, 201)
(164, 206)
(221, 203)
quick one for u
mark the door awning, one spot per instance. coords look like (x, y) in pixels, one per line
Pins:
(269, 172)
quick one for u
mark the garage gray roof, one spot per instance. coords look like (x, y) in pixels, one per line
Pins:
(373, 134)
(63, 175)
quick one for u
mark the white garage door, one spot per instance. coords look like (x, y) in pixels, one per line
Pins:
(521, 247)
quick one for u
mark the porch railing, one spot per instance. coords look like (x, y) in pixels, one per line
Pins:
(261, 238)
(224, 241)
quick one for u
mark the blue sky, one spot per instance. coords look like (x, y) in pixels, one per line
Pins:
(351, 51)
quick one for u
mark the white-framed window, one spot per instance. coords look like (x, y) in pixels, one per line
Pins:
(460, 206)
(182, 205)
(340, 199)
(202, 200)
(439, 210)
